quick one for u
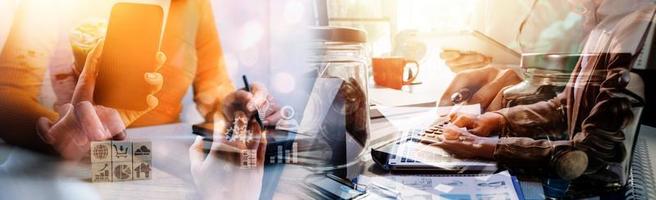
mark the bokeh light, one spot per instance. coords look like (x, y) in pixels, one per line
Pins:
(251, 33)
(294, 11)
(284, 82)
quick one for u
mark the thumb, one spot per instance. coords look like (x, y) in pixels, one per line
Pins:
(196, 154)
(450, 54)
(452, 132)
(129, 116)
(463, 120)
(87, 81)
(43, 130)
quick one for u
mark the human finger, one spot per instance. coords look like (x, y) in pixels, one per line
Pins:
(43, 129)
(431, 140)
(274, 113)
(121, 135)
(463, 120)
(471, 79)
(452, 132)
(112, 121)
(63, 109)
(486, 94)
(260, 96)
(224, 147)
(498, 102)
(449, 54)
(89, 121)
(196, 154)
(467, 61)
(272, 118)
(69, 150)
(86, 83)
(238, 101)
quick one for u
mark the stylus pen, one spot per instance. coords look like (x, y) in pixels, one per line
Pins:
(459, 99)
(248, 89)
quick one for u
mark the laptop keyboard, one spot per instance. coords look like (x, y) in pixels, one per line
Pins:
(415, 136)
(413, 149)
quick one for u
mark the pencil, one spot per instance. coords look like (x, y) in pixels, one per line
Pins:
(248, 89)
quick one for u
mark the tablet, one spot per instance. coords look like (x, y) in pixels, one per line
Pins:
(467, 40)
(479, 42)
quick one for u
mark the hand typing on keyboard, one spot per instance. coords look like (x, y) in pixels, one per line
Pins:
(461, 143)
(481, 125)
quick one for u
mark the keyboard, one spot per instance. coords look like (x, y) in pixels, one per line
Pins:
(410, 144)
(418, 135)
(413, 151)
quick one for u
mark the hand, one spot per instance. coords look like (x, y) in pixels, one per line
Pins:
(481, 125)
(220, 174)
(154, 80)
(81, 121)
(248, 102)
(462, 144)
(486, 85)
(458, 61)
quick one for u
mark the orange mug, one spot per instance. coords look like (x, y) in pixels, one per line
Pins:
(391, 72)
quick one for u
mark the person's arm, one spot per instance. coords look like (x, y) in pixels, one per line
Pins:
(486, 85)
(600, 137)
(20, 113)
(211, 83)
(23, 63)
(546, 118)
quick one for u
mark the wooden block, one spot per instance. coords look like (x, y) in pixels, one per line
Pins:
(121, 151)
(101, 172)
(142, 150)
(121, 171)
(101, 151)
(142, 170)
(248, 159)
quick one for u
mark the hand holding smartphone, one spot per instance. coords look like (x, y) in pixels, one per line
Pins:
(130, 55)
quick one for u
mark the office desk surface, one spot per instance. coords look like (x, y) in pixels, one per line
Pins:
(24, 172)
(28, 175)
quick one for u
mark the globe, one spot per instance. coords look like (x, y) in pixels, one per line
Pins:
(101, 152)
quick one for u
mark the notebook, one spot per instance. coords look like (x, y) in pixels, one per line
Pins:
(642, 179)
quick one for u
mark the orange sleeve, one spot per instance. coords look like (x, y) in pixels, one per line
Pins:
(212, 82)
(23, 63)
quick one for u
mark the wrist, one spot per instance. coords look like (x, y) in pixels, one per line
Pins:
(495, 120)
(487, 148)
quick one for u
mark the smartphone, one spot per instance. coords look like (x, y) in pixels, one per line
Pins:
(332, 187)
(131, 44)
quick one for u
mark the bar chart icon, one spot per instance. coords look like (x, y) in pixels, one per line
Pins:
(285, 154)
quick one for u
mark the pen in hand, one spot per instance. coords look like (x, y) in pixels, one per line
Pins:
(459, 98)
(248, 89)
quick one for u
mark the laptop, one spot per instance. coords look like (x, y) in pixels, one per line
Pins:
(408, 154)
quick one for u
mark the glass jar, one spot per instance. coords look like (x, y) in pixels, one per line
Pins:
(545, 76)
(341, 63)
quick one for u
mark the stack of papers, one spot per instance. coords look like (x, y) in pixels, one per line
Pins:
(460, 186)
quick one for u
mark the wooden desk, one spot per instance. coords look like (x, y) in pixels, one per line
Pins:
(32, 176)
(171, 178)
(171, 170)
